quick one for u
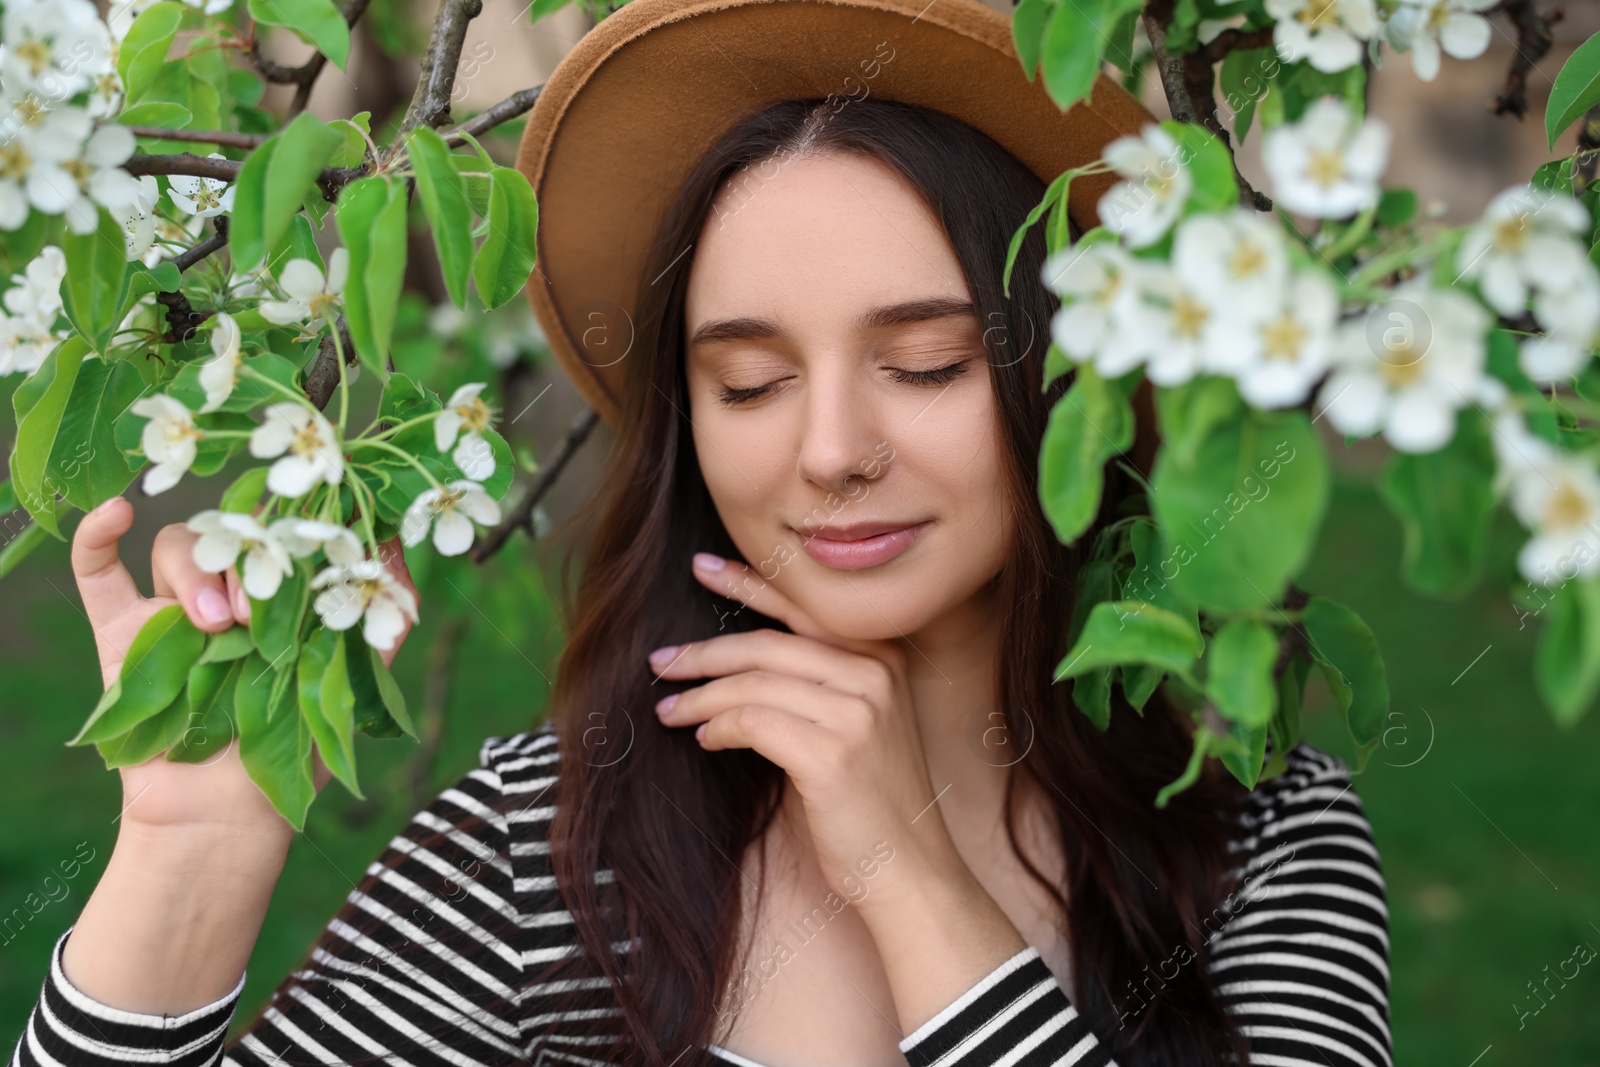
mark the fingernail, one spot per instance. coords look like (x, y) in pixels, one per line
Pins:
(213, 606)
(663, 656)
(707, 562)
(700, 733)
(664, 705)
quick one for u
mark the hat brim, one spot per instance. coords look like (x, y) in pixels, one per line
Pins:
(636, 103)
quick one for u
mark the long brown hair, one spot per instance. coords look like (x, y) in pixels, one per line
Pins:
(670, 820)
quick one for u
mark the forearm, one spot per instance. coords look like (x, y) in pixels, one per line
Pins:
(172, 922)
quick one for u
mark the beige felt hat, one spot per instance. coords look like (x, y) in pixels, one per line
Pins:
(631, 109)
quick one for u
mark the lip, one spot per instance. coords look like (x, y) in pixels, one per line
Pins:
(862, 544)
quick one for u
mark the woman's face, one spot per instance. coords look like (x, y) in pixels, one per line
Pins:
(821, 289)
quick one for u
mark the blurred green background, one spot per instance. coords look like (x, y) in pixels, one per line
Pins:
(1484, 811)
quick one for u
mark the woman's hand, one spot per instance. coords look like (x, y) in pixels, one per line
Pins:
(836, 714)
(159, 793)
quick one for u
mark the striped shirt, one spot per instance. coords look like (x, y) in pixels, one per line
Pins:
(1299, 952)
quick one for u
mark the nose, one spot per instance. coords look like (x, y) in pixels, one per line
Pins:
(843, 429)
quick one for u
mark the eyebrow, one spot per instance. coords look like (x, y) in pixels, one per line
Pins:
(748, 328)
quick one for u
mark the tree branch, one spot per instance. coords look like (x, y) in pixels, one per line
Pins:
(430, 104)
(226, 170)
(323, 376)
(1533, 41)
(522, 516)
(221, 137)
(509, 108)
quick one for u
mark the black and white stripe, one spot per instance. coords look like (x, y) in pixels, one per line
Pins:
(460, 907)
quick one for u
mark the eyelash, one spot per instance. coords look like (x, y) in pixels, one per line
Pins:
(938, 376)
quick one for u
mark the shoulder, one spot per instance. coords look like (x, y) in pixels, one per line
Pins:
(515, 780)
(1300, 947)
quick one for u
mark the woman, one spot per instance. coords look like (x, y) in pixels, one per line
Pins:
(802, 862)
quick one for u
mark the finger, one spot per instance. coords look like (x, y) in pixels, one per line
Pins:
(811, 701)
(175, 573)
(783, 737)
(104, 583)
(238, 599)
(771, 650)
(737, 581)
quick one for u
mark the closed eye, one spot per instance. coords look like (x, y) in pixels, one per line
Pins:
(940, 376)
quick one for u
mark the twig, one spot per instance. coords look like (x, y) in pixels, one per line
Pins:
(323, 376)
(509, 108)
(430, 104)
(219, 237)
(1533, 41)
(226, 170)
(1588, 145)
(1174, 76)
(522, 515)
(183, 320)
(221, 137)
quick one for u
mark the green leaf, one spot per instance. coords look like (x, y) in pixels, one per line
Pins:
(1340, 639)
(1188, 413)
(1027, 32)
(40, 404)
(1241, 514)
(274, 181)
(151, 677)
(474, 174)
(1209, 164)
(143, 52)
(506, 257)
(353, 132)
(1055, 191)
(373, 713)
(230, 644)
(1074, 42)
(156, 113)
(1091, 692)
(316, 22)
(1244, 756)
(85, 464)
(245, 493)
(326, 703)
(97, 276)
(444, 200)
(1091, 423)
(248, 394)
(275, 622)
(1239, 677)
(275, 743)
(371, 216)
(149, 739)
(1132, 631)
(1396, 207)
(209, 730)
(1444, 500)
(1575, 91)
(1243, 82)
(1566, 666)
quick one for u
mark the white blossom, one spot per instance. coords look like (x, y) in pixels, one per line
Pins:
(1557, 496)
(1143, 207)
(364, 588)
(1328, 34)
(201, 197)
(308, 293)
(1328, 164)
(168, 440)
(36, 292)
(24, 344)
(302, 537)
(451, 512)
(1426, 26)
(224, 535)
(1571, 318)
(220, 374)
(138, 219)
(93, 175)
(51, 48)
(1238, 260)
(1098, 299)
(1277, 355)
(1528, 238)
(1409, 367)
(305, 441)
(465, 410)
